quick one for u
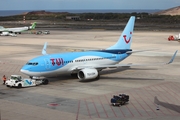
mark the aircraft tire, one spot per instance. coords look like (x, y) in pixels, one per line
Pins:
(74, 75)
(19, 85)
(98, 77)
(45, 81)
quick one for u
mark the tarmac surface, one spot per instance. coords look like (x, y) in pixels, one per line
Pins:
(65, 98)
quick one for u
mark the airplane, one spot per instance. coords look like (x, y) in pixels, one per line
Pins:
(17, 29)
(8, 34)
(86, 65)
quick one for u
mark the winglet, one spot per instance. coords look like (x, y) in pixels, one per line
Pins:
(44, 49)
(172, 59)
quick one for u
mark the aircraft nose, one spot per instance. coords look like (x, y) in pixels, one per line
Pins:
(27, 72)
(23, 71)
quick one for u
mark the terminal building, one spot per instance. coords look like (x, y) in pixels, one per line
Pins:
(73, 18)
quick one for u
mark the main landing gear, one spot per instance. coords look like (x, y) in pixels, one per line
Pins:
(44, 81)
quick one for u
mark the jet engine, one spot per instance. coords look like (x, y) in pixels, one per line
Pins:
(29, 28)
(88, 74)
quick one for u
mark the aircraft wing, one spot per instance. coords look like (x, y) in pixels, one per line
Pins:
(135, 51)
(127, 65)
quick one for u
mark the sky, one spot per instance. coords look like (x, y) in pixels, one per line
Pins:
(86, 4)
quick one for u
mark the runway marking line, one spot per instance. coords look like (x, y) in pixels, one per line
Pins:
(167, 91)
(136, 109)
(140, 104)
(132, 115)
(163, 100)
(103, 108)
(130, 111)
(151, 100)
(122, 111)
(168, 99)
(95, 108)
(110, 106)
(175, 93)
(145, 102)
(78, 110)
(87, 108)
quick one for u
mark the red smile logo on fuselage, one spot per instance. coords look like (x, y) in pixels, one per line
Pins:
(127, 41)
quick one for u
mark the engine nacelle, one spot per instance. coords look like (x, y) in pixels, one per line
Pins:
(29, 28)
(87, 74)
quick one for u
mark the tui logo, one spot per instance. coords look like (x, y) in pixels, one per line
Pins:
(125, 39)
(58, 61)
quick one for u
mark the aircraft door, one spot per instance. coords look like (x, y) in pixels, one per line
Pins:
(47, 63)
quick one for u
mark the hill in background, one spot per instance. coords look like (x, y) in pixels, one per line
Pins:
(171, 11)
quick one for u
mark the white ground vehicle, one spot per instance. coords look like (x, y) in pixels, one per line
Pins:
(46, 32)
(18, 81)
(8, 34)
(12, 35)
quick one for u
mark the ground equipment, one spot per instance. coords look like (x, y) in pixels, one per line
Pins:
(18, 81)
(119, 100)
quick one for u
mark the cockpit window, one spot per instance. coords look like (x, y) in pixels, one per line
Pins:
(35, 63)
(30, 63)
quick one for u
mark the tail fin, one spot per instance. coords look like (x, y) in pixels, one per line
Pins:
(44, 49)
(124, 41)
(33, 25)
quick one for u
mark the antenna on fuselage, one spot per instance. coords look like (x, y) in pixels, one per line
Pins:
(44, 49)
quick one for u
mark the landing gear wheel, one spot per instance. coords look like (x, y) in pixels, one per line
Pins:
(74, 75)
(19, 85)
(45, 81)
(98, 77)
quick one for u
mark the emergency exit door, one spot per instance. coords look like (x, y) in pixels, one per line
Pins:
(47, 63)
